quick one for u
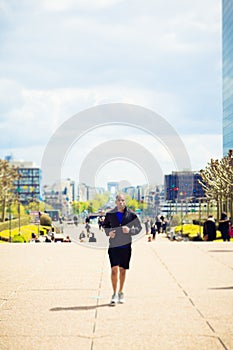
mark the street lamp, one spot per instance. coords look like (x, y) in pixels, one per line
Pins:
(38, 202)
(181, 216)
(9, 221)
(19, 214)
(200, 199)
(18, 199)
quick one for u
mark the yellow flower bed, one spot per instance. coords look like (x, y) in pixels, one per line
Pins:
(193, 230)
(25, 232)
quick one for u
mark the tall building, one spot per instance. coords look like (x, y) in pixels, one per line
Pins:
(60, 196)
(131, 191)
(113, 187)
(182, 185)
(227, 58)
(87, 193)
(28, 186)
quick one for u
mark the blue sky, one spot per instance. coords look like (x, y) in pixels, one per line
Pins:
(60, 57)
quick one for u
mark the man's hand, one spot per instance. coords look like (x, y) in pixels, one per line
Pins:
(125, 229)
(112, 233)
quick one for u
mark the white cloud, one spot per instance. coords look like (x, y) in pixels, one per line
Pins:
(10, 96)
(65, 5)
(202, 148)
(28, 154)
(47, 109)
(61, 57)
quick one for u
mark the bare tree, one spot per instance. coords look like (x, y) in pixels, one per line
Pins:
(217, 182)
(8, 175)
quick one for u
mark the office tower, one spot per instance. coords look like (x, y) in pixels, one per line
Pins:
(227, 57)
(182, 185)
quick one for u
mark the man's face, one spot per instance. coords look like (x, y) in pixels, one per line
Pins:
(120, 203)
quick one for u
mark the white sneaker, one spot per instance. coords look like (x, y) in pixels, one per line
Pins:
(121, 298)
(114, 299)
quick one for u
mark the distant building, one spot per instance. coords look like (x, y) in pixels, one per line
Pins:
(139, 193)
(87, 193)
(182, 185)
(60, 196)
(28, 186)
(227, 74)
(113, 187)
(131, 191)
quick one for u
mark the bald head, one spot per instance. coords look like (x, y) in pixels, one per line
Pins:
(120, 202)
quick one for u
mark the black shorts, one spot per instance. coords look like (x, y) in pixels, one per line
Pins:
(120, 256)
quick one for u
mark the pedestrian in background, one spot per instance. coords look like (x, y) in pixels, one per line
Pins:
(209, 229)
(158, 223)
(147, 226)
(224, 227)
(153, 231)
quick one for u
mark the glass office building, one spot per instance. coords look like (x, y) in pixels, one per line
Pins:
(183, 185)
(227, 55)
(28, 186)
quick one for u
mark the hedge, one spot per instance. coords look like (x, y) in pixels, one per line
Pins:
(24, 220)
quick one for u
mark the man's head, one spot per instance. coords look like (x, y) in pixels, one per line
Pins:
(120, 202)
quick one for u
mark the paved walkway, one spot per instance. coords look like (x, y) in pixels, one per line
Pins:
(56, 296)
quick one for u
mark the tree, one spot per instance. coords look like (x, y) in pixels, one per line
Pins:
(92, 205)
(45, 220)
(8, 175)
(102, 199)
(217, 182)
(133, 204)
(79, 207)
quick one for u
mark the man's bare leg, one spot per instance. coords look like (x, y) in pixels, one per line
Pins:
(114, 278)
(122, 278)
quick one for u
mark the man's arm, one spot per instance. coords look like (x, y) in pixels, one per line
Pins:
(106, 225)
(135, 226)
(109, 231)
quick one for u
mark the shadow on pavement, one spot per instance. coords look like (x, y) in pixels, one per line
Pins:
(220, 251)
(78, 308)
(219, 288)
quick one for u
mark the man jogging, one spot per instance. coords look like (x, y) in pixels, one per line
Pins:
(120, 225)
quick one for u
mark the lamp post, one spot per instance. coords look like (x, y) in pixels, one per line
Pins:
(18, 199)
(182, 217)
(10, 238)
(19, 215)
(170, 209)
(199, 218)
(200, 199)
(38, 201)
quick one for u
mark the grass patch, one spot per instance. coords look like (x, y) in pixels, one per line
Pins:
(25, 220)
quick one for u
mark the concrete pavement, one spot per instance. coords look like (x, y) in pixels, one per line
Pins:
(179, 295)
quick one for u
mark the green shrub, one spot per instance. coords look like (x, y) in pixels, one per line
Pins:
(18, 239)
(45, 220)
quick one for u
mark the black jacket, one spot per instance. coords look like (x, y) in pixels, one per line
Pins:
(209, 230)
(129, 219)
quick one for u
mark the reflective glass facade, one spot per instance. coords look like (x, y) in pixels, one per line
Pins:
(28, 186)
(227, 47)
(182, 185)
